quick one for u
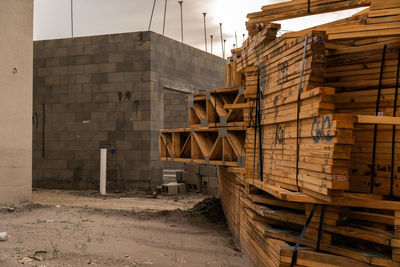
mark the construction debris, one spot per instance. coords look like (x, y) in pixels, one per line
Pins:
(305, 137)
(210, 208)
(173, 188)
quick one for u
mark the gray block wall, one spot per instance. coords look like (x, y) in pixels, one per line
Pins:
(110, 92)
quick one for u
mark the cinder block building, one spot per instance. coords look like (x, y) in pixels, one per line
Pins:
(116, 92)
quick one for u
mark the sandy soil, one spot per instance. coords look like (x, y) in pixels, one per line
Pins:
(136, 201)
(67, 228)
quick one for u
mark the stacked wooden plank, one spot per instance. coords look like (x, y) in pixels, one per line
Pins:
(203, 145)
(233, 77)
(255, 46)
(291, 65)
(300, 8)
(268, 227)
(217, 130)
(217, 108)
(356, 69)
(359, 67)
(364, 103)
(304, 107)
(323, 153)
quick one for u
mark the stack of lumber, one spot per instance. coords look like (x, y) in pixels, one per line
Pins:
(254, 47)
(233, 77)
(203, 145)
(354, 67)
(300, 8)
(217, 130)
(354, 49)
(358, 67)
(291, 65)
(364, 103)
(268, 227)
(217, 108)
(324, 145)
(297, 137)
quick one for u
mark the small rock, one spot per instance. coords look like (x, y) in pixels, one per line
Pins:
(58, 206)
(25, 260)
(3, 236)
(10, 209)
(40, 255)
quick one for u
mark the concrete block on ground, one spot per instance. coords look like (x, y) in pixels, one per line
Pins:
(193, 181)
(192, 168)
(169, 176)
(173, 188)
(208, 170)
(210, 185)
(179, 176)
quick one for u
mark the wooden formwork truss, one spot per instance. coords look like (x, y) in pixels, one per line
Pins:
(222, 146)
(217, 108)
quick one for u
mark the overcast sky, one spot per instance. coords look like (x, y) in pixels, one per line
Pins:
(95, 17)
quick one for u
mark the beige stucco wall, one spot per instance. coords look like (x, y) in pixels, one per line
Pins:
(16, 60)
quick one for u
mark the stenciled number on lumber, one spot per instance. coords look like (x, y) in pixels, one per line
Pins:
(283, 72)
(321, 129)
(279, 135)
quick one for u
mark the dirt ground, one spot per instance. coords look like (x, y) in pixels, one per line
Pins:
(70, 228)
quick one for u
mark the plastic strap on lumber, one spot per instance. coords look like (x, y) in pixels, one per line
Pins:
(255, 123)
(263, 77)
(298, 111)
(259, 126)
(378, 100)
(394, 126)
(260, 134)
(321, 222)
(296, 248)
(215, 106)
(309, 6)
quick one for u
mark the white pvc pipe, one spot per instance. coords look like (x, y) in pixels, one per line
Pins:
(103, 170)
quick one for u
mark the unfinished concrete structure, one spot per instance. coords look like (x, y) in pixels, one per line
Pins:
(113, 91)
(16, 100)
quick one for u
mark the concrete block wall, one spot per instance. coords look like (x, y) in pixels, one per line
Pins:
(16, 54)
(108, 92)
(175, 109)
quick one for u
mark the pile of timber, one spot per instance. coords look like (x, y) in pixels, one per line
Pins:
(352, 233)
(306, 137)
(217, 108)
(217, 146)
